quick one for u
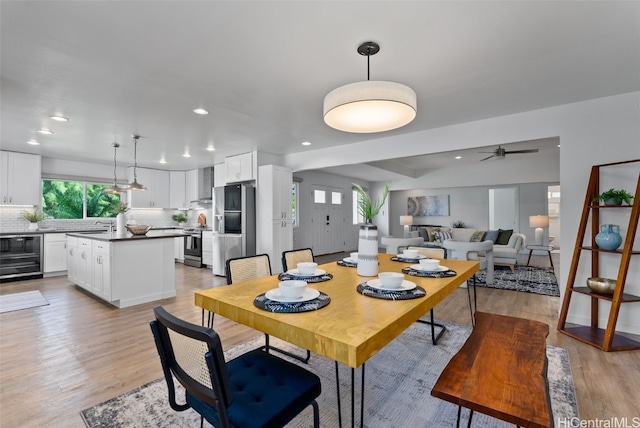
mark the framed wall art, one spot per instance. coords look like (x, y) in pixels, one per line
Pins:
(428, 205)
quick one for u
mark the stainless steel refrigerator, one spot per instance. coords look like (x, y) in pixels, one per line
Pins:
(234, 225)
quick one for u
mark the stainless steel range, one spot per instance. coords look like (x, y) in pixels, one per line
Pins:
(193, 246)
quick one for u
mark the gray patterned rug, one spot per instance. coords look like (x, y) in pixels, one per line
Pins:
(398, 385)
(525, 278)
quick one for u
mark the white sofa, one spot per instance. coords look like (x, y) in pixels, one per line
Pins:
(480, 251)
(506, 255)
(391, 244)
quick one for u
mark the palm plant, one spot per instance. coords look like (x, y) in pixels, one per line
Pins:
(367, 208)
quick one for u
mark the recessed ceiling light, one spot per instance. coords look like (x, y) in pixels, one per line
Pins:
(306, 143)
(45, 132)
(33, 142)
(211, 148)
(558, 145)
(59, 118)
(200, 111)
(458, 157)
(163, 160)
(186, 155)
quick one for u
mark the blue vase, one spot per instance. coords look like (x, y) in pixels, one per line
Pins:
(609, 237)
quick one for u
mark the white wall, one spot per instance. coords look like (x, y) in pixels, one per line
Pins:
(591, 132)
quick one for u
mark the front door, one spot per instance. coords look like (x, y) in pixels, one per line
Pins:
(328, 220)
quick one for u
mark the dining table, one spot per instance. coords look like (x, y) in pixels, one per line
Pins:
(354, 326)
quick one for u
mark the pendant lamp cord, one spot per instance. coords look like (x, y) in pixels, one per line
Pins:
(135, 158)
(368, 56)
(115, 177)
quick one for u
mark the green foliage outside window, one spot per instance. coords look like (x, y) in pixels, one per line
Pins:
(66, 200)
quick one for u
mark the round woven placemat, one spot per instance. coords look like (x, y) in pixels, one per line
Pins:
(310, 279)
(369, 291)
(423, 274)
(311, 305)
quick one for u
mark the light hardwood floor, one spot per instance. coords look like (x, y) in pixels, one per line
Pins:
(59, 359)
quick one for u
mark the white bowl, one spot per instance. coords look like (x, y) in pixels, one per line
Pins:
(391, 279)
(307, 268)
(410, 254)
(292, 289)
(354, 256)
(429, 264)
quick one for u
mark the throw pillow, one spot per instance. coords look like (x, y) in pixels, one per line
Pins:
(503, 237)
(491, 235)
(477, 236)
(424, 234)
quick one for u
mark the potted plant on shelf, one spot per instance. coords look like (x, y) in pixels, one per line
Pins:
(33, 217)
(613, 197)
(368, 234)
(180, 218)
(458, 224)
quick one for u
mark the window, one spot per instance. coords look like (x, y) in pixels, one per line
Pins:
(294, 204)
(336, 198)
(357, 217)
(319, 196)
(76, 200)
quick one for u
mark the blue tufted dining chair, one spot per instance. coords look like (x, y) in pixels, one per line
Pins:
(253, 390)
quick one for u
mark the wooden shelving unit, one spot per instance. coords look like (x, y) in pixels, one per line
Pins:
(605, 339)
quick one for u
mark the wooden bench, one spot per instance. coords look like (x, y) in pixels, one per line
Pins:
(501, 371)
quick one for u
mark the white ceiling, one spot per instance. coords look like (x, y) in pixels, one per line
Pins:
(262, 69)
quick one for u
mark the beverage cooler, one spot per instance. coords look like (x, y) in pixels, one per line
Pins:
(20, 257)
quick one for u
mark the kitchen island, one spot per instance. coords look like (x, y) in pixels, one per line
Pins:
(123, 269)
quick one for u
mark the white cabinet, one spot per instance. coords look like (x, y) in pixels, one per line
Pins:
(55, 252)
(239, 168)
(219, 175)
(101, 257)
(178, 250)
(72, 259)
(20, 179)
(177, 190)
(84, 272)
(192, 185)
(157, 193)
(207, 248)
(273, 223)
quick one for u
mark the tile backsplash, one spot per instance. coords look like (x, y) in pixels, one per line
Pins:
(11, 219)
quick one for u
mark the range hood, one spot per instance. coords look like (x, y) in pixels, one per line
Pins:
(205, 185)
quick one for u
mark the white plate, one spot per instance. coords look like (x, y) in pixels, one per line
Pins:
(438, 269)
(402, 257)
(309, 294)
(295, 272)
(350, 260)
(406, 285)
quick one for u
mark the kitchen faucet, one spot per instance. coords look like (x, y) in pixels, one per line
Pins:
(108, 223)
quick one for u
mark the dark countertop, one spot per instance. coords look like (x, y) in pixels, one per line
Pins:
(110, 237)
(43, 231)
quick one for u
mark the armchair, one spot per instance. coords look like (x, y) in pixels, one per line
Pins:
(480, 251)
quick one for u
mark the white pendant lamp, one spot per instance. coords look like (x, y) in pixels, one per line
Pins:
(371, 105)
(134, 185)
(114, 189)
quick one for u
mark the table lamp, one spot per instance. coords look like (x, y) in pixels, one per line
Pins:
(406, 221)
(539, 221)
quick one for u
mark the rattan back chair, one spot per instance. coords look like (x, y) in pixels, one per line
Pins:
(291, 258)
(246, 268)
(252, 267)
(255, 389)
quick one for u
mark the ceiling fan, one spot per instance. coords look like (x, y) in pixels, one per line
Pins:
(500, 153)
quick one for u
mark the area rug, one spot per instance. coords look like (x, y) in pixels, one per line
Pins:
(525, 278)
(398, 383)
(17, 301)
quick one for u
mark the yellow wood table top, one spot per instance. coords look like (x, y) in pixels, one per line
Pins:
(353, 327)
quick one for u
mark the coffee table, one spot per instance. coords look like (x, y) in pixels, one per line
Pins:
(352, 328)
